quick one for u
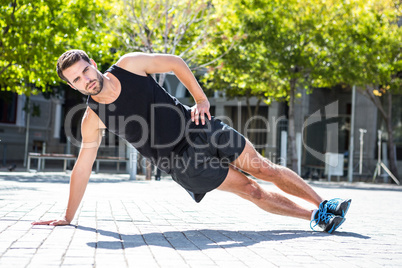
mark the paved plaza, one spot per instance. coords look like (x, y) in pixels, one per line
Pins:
(124, 223)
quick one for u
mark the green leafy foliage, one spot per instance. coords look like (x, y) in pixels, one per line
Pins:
(242, 72)
(34, 33)
(285, 45)
(365, 44)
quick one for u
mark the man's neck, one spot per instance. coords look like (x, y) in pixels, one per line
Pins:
(111, 90)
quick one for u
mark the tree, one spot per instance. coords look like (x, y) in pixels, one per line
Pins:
(367, 44)
(290, 32)
(244, 71)
(309, 44)
(34, 33)
(166, 26)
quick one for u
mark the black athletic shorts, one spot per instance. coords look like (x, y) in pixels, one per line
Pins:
(204, 164)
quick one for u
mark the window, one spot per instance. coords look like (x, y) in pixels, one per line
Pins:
(8, 107)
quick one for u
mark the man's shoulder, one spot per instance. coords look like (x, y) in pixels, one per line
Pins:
(91, 129)
(133, 62)
(129, 59)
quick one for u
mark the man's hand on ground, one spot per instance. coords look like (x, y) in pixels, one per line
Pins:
(58, 222)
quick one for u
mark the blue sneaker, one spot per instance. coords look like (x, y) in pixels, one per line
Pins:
(338, 206)
(327, 221)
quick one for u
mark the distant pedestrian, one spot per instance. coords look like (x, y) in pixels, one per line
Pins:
(158, 174)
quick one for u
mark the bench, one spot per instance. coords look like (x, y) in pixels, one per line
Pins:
(66, 157)
(113, 159)
(40, 157)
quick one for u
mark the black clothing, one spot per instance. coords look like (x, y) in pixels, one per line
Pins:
(145, 115)
(160, 128)
(204, 165)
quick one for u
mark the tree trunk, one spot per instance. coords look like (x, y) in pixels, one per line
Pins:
(387, 116)
(251, 113)
(291, 125)
(391, 146)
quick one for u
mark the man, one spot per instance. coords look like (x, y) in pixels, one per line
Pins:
(200, 152)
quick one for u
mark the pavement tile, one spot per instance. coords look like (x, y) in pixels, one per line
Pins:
(35, 262)
(143, 263)
(77, 261)
(201, 263)
(14, 262)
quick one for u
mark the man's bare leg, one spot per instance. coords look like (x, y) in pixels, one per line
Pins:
(288, 181)
(329, 218)
(238, 183)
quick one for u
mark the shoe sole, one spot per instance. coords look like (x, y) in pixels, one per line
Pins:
(345, 207)
(337, 223)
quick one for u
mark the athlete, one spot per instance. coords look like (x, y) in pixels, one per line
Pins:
(200, 152)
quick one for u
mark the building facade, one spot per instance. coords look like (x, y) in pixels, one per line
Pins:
(322, 121)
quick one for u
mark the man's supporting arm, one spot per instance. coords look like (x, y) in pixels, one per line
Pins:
(91, 139)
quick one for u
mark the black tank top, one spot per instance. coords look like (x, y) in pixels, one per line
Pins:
(145, 115)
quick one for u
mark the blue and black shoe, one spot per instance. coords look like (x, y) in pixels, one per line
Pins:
(329, 222)
(338, 206)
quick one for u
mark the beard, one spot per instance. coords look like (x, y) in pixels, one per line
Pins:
(97, 88)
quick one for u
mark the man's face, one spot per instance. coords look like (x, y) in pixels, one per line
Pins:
(84, 77)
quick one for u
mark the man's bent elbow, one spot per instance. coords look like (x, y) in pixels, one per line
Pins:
(90, 144)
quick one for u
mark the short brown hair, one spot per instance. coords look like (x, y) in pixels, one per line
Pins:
(67, 59)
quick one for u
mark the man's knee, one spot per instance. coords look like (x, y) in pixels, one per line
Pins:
(254, 191)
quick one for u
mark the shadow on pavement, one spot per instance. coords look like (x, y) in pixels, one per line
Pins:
(204, 238)
(350, 234)
(358, 186)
